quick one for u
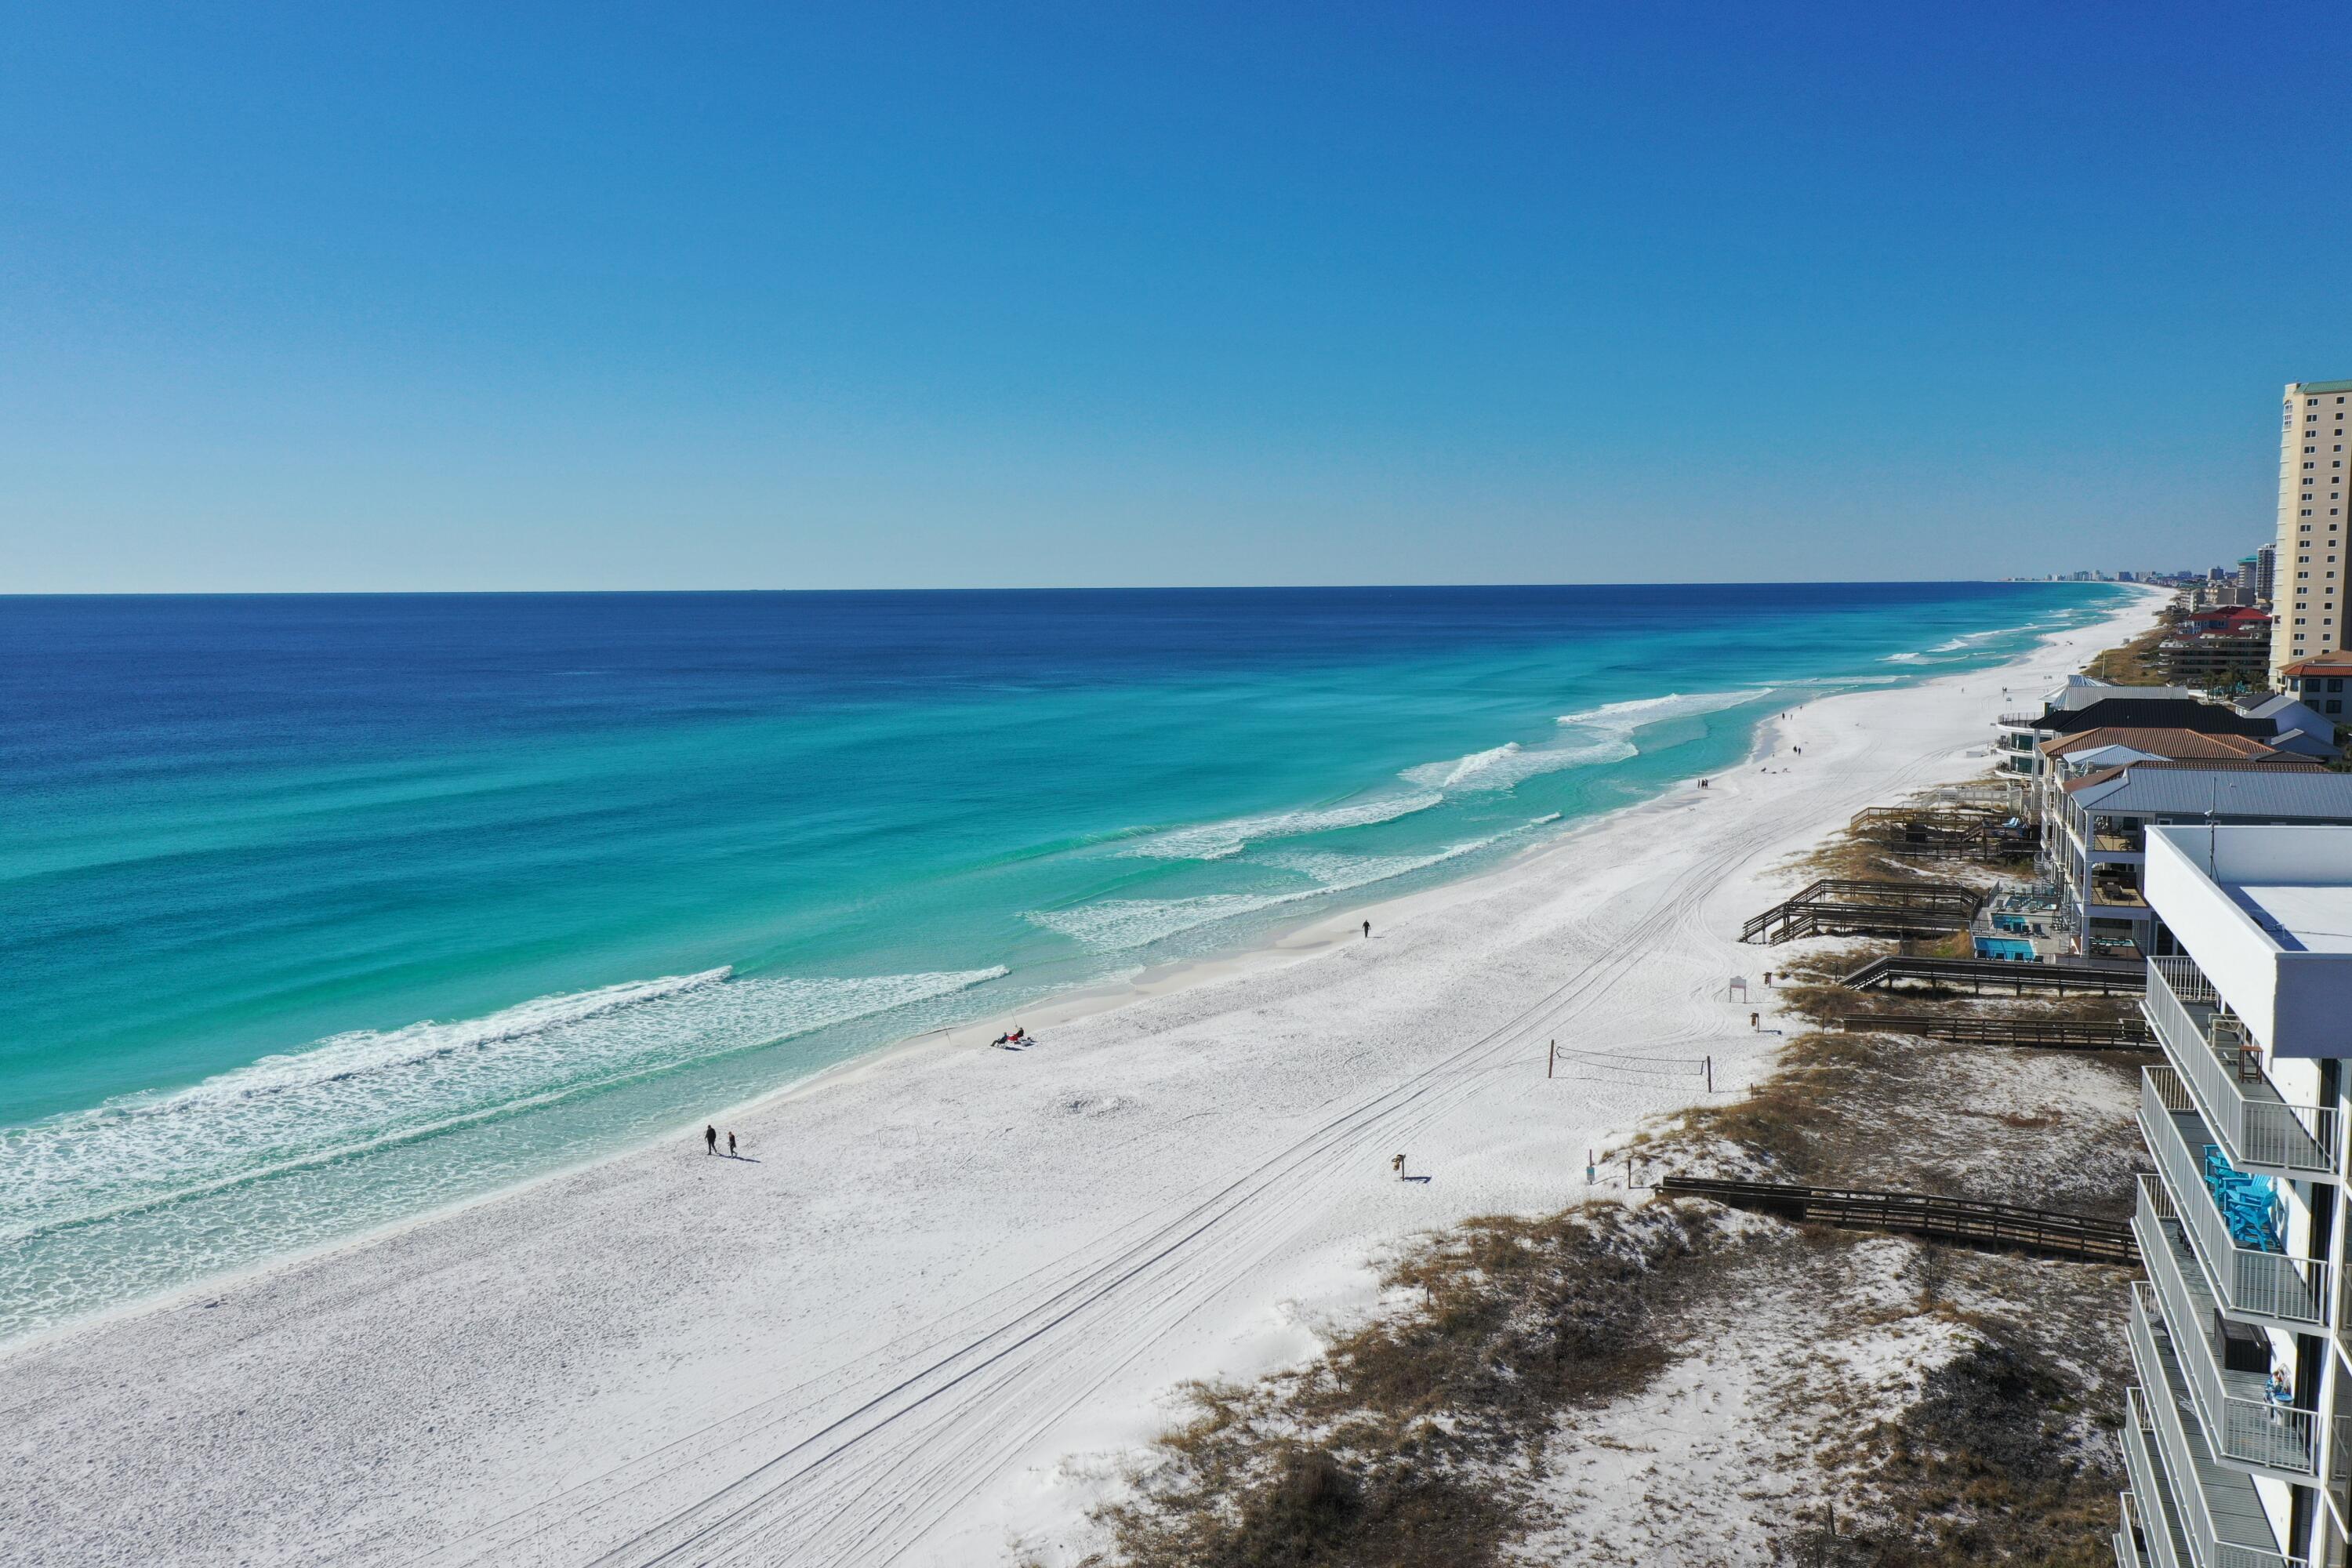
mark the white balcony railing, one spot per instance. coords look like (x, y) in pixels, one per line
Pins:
(2250, 1282)
(2254, 1125)
(2166, 1548)
(2215, 1504)
(2280, 1439)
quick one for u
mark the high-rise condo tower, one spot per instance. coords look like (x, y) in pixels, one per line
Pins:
(2309, 588)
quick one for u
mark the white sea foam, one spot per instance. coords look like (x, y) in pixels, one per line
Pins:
(1114, 925)
(1504, 767)
(1605, 736)
(1635, 712)
(1223, 840)
(369, 1088)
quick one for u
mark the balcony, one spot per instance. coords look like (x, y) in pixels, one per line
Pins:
(2257, 1129)
(2211, 1424)
(2280, 1441)
(2253, 1282)
(2152, 1506)
(2127, 1531)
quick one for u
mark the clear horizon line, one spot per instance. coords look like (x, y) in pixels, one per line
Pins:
(1028, 588)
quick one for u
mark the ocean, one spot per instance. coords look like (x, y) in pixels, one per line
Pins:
(319, 912)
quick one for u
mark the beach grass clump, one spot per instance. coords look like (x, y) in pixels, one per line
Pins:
(2006, 1456)
(2134, 663)
(1418, 1438)
(1786, 1126)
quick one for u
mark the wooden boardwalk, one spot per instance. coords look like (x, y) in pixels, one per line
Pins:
(1940, 834)
(1840, 906)
(2101, 976)
(2036, 1034)
(1999, 1228)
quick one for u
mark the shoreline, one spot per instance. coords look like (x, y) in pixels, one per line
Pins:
(1268, 948)
(1313, 1279)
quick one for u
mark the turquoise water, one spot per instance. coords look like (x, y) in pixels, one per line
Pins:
(315, 913)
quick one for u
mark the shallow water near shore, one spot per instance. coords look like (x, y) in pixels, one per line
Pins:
(317, 914)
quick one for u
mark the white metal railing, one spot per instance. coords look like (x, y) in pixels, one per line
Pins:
(2177, 1303)
(2140, 1464)
(2247, 1281)
(2252, 1432)
(2338, 1489)
(2257, 1130)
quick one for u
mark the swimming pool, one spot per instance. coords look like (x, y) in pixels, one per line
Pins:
(2009, 950)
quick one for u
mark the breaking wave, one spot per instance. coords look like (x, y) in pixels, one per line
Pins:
(1223, 840)
(1511, 764)
(1632, 714)
(354, 1091)
(1114, 925)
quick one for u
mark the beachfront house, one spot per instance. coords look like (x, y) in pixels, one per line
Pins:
(2070, 759)
(2099, 838)
(2084, 703)
(2237, 1431)
(2318, 683)
(2303, 727)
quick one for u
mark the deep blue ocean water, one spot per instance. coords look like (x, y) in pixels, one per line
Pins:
(318, 912)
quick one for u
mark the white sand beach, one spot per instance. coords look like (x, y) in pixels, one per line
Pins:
(952, 1289)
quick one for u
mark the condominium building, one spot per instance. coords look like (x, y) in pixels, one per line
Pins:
(2310, 570)
(2085, 704)
(2237, 1432)
(2095, 832)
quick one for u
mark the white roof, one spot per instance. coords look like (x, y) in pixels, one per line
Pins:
(2266, 913)
(2080, 690)
(2301, 917)
(2111, 756)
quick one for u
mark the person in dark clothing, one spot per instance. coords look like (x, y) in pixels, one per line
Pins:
(710, 1139)
(731, 1145)
(1368, 929)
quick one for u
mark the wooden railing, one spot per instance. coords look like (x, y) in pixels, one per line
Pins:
(1995, 1227)
(2103, 977)
(1844, 906)
(2038, 1034)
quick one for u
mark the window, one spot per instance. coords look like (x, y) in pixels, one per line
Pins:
(2335, 705)
(2335, 683)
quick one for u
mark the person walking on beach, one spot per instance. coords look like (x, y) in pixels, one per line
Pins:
(731, 1145)
(1367, 930)
(710, 1139)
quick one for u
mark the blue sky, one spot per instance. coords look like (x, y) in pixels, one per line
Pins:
(592, 295)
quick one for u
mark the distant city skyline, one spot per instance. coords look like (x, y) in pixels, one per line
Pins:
(561, 299)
